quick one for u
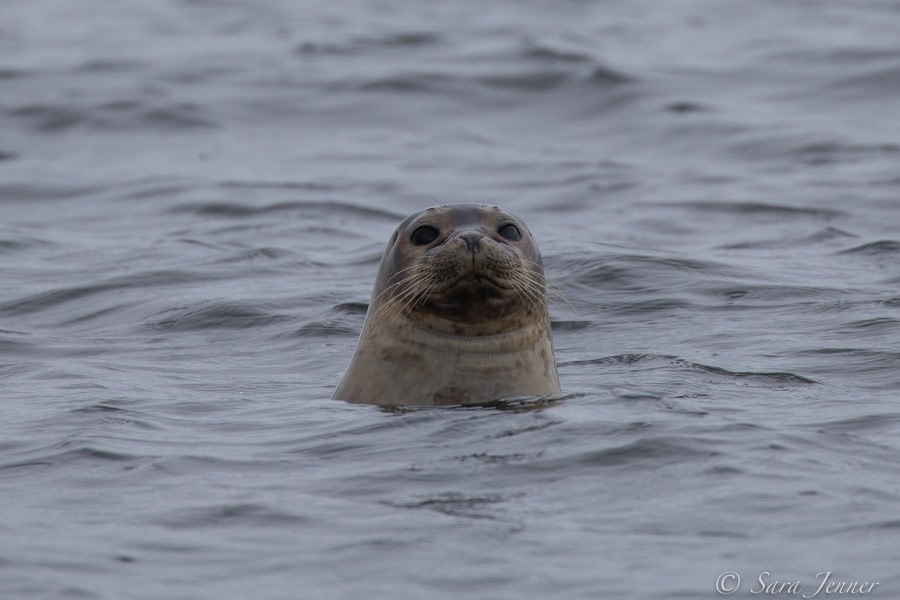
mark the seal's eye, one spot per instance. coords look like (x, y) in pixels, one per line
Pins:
(510, 232)
(423, 235)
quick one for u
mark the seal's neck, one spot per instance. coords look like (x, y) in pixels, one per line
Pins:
(525, 337)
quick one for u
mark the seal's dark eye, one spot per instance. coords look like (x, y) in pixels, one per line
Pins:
(423, 235)
(510, 232)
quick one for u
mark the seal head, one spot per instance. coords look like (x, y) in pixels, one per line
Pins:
(458, 314)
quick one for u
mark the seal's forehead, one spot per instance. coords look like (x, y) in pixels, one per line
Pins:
(455, 215)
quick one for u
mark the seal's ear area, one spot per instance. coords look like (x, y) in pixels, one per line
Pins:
(391, 247)
(389, 263)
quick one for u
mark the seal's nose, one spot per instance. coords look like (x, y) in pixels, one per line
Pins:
(471, 238)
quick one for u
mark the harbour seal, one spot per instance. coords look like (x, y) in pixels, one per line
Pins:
(458, 314)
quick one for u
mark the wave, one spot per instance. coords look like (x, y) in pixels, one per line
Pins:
(33, 303)
(122, 115)
(238, 210)
(663, 361)
(879, 248)
(217, 315)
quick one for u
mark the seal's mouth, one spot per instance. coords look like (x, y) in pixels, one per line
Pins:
(475, 295)
(475, 281)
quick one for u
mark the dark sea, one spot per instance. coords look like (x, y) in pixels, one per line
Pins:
(194, 198)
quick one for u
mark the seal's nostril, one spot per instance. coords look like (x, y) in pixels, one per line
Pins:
(471, 239)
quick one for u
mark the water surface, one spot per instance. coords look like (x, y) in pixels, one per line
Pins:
(195, 196)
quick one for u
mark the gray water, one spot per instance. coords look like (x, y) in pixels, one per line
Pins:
(195, 195)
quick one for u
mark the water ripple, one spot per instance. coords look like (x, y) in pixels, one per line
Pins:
(217, 315)
(656, 361)
(144, 280)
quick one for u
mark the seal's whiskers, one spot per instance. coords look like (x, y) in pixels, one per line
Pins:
(418, 287)
(554, 293)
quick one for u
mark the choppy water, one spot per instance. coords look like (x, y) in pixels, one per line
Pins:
(195, 196)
